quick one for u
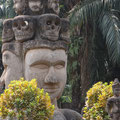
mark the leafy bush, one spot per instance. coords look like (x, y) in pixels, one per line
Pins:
(24, 101)
(96, 101)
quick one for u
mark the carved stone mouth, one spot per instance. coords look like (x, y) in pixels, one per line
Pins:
(50, 90)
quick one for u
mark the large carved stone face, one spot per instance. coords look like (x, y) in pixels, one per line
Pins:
(7, 33)
(54, 4)
(35, 5)
(12, 67)
(50, 26)
(19, 6)
(49, 68)
(23, 28)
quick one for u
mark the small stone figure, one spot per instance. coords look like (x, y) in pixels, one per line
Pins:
(113, 103)
(20, 6)
(35, 6)
(54, 6)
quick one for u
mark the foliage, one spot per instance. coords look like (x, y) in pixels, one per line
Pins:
(23, 100)
(6, 9)
(96, 101)
(105, 15)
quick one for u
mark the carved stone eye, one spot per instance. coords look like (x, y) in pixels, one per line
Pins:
(15, 24)
(49, 22)
(23, 23)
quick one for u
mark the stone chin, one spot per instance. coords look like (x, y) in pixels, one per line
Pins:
(55, 93)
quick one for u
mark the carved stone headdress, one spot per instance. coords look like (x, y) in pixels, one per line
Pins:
(43, 31)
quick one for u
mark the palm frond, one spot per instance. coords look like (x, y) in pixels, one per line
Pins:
(88, 10)
(91, 9)
(110, 27)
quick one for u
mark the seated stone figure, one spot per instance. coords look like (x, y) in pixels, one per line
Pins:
(113, 103)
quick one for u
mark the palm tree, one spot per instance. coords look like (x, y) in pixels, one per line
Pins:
(98, 22)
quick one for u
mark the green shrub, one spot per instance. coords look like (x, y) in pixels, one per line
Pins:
(96, 101)
(24, 101)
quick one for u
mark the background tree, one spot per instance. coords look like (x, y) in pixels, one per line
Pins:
(98, 23)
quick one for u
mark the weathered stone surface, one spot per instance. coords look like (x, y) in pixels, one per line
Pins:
(49, 26)
(113, 103)
(36, 47)
(12, 62)
(65, 30)
(71, 114)
(36, 7)
(24, 28)
(49, 68)
(7, 33)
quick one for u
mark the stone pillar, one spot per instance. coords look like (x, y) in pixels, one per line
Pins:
(35, 46)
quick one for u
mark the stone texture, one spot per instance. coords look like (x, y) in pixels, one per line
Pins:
(113, 103)
(49, 68)
(7, 33)
(36, 7)
(35, 46)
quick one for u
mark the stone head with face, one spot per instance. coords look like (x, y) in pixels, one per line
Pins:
(46, 61)
(49, 68)
(35, 5)
(54, 5)
(12, 63)
(116, 87)
(19, 6)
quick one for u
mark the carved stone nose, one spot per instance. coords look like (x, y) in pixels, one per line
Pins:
(19, 28)
(53, 27)
(51, 77)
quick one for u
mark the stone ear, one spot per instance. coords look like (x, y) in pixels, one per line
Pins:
(7, 33)
(65, 30)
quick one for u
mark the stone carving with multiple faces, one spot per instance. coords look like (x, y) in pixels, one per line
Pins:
(35, 46)
(36, 7)
(113, 103)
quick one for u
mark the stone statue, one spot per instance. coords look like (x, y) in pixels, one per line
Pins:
(35, 45)
(113, 103)
(53, 5)
(36, 7)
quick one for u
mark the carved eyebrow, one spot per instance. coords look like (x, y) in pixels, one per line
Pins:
(48, 63)
(59, 63)
(40, 62)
